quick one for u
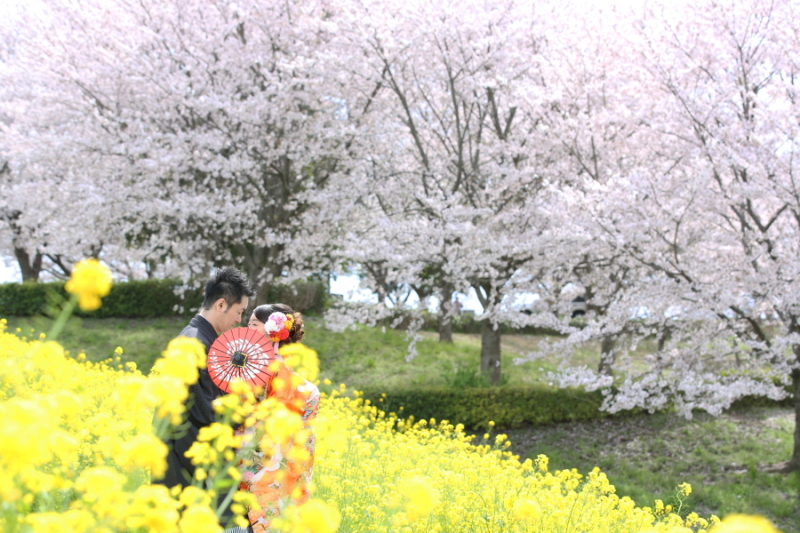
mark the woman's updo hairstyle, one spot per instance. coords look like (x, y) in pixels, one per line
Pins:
(297, 332)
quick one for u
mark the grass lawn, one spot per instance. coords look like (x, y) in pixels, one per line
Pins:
(141, 339)
(724, 458)
(362, 357)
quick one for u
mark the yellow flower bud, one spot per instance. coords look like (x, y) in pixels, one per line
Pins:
(90, 281)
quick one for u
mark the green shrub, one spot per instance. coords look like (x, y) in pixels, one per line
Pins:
(147, 298)
(465, 323)
(307, 296)
(25, 299)
(508, 407)
(131, 299)
(466, 378)
(750, 402)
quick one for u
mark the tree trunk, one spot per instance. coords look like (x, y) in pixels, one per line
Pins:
(150, 267)
(446, 317)
(446, 328)
(490, 352)
(262, 296)
(794, 463)
(30, 269)
(608, 355)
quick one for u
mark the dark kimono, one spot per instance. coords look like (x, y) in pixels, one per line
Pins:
(199, 413)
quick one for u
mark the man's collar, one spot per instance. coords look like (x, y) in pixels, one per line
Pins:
(201, 322)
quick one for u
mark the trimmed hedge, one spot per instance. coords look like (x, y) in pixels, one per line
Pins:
(507, 407)
(24, 299)
(467, 323)
(131, 299)
(512, 407)
(307, 296)
(146, 298)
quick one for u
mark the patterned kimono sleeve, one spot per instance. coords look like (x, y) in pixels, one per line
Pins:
(310, 409)
(278, 481)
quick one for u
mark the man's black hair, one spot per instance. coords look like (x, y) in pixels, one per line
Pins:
(228, 283)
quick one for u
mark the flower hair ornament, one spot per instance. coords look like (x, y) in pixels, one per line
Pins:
(278, 326)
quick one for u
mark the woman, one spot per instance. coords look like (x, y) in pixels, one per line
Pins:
(278, 481)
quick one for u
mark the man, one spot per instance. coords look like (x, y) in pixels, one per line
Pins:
(227, 295)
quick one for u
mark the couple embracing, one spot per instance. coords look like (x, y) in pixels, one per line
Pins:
(227, 295)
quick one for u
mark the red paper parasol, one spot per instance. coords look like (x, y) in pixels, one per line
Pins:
(241, 354)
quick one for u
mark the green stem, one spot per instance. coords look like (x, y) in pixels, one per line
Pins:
(61, 321)
(227, 499)
(161, 426)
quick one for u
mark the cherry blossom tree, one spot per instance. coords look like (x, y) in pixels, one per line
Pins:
(705, 211)
(731, 111)
(595, 118)
(51, 211)
(447, 82)
(215, 119)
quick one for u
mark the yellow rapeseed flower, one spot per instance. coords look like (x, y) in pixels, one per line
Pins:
(145, 451)
(282, 424)
(315, 516)
(24, 434)
(376, 471)
(194, 496)
(182, 359)
(526, 510)
(166, 394)
(84, 430)
(199, 519)
(73, 520)
(420, 497)
(96, 482)
(152, 509)
(740, 523)
(90, 281)
(301, 359)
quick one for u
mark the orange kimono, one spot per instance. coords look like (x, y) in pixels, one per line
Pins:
(274, 480)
